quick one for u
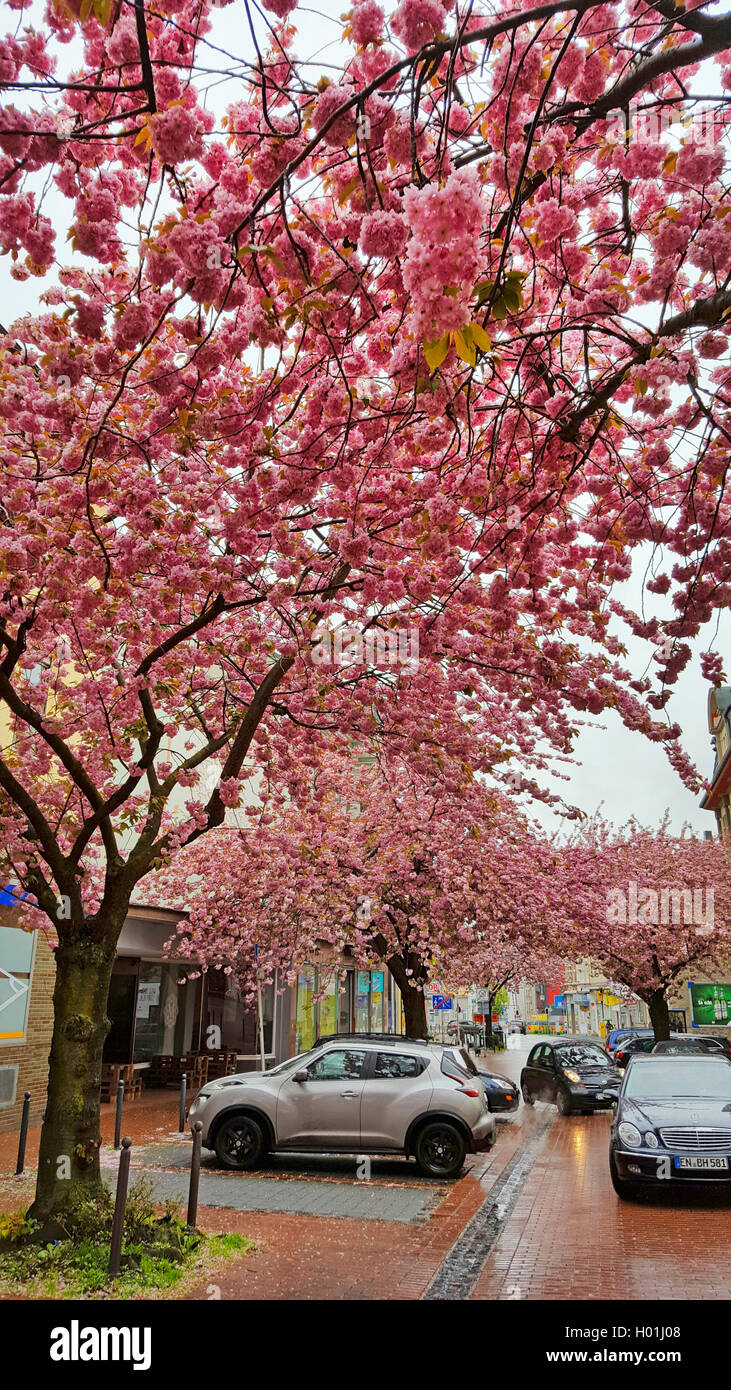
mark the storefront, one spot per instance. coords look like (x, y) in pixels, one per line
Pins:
(338, 998)
(158, 1007)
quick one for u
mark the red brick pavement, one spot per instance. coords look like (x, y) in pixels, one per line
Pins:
(314, 1257)
(570, 1237)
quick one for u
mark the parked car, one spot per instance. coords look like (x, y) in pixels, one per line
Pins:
(688, 1045)
(618, 1036)
(574, 1073)
(672, 1123)
(633, 1046)
(501, 1094)
(352, 1094)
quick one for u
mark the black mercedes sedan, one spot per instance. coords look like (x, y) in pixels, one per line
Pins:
(574, 1073)
(500, 1094)
(672, 1123)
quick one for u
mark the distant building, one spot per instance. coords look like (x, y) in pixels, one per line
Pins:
(718, 796)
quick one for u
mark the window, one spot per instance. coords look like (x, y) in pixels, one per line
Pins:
(8, 1084)
(16, 961)
(337, 1066)
(534, 1057)
(393, 1065)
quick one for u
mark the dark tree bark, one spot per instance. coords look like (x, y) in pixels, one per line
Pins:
(657, 1004)
(68, 1164)
(411, 987)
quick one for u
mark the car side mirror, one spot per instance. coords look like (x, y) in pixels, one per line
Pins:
(300, 1076)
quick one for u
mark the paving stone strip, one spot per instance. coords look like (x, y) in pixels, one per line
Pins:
(359, 1201)
(457, 1276)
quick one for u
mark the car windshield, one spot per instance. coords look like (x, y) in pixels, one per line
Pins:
(302, 1057)
(697, 1078)
(580, 1053)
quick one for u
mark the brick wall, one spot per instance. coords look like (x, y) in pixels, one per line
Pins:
(31, 1055)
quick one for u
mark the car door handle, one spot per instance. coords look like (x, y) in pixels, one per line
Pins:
(349, 1095)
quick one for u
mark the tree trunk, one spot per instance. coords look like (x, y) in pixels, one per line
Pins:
(659, 1014)
(413, 998)
(68, 1164)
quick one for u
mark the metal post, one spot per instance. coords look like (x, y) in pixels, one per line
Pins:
(23, 1132)
(195, 1172)
(118, 1118)
(183, 1089)
(120, 1201)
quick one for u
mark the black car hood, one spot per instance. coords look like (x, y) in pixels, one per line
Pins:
(595, 1072)
(501, 1080)
(678, 1110)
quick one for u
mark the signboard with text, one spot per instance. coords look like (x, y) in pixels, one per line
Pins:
(711, 1004)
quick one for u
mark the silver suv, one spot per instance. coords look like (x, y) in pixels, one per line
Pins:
(352, 1094)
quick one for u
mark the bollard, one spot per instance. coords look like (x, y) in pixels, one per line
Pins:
(115, 1249)
(118, 1118)
(195, 1172)
(23, 1132)
(183, 1089)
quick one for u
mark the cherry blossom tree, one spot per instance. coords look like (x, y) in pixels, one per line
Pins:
(440, 878)
(428, 343)
(649, 906)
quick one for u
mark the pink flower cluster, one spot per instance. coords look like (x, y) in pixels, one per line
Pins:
(328, 102)
(175, 135)
(444, 256)
(366, 24)
(416, 22)
(281, 8)
(383, 234)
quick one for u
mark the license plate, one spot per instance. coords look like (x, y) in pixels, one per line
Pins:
(714, 1164)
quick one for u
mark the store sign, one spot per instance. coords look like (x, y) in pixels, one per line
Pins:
(711, 1004)
(16, 957)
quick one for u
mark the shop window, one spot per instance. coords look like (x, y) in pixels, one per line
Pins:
(167, 1013)
(235, 1018)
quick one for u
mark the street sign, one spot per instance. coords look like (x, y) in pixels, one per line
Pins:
(440, 1002)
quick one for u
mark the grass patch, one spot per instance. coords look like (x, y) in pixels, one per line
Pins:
(159, 1253)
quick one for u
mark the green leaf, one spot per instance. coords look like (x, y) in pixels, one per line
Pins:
(483, 291)
(513, 298)
(435, 353)
(480, 337)
(465, 346)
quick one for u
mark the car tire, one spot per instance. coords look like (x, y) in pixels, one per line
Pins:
(528, 1099)
(563, 1101)
(240, 1143)
(440, 1149)
(624, 1189)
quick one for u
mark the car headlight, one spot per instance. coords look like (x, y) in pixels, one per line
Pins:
(651, 1140)
(629, 1134)
(573, 1076)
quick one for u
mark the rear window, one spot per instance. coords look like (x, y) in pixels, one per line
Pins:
(451, 1066)
(392, 1065)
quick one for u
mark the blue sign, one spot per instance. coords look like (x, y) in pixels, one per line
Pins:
(439, 1002)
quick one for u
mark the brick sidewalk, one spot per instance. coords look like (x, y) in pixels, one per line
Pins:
(310, 1257)
(570, 1237)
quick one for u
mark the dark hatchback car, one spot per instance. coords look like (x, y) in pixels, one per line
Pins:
(501, 1095)
(685, 1046)
(571, 1072)
(672, 1124)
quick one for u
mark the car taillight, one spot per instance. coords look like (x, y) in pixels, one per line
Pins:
(465, 1092)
